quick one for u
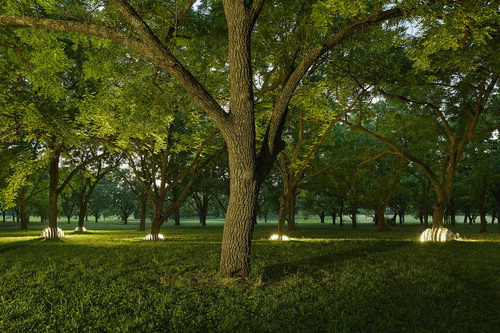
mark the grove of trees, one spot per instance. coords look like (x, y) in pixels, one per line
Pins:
(247, 107)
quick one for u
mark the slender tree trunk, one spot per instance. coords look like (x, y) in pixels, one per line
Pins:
(177, 217)
(334, 217)
(354, 214)
(143, 201)
(291, 199)
(341, 212)
(282, 217)
(203, 215)
(203, 209)
(482, 210)
(53, 191)
(482, 200)
(452, 209)
(177, 214)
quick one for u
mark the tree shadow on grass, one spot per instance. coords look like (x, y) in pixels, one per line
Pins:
(4, 248)
(312, 264)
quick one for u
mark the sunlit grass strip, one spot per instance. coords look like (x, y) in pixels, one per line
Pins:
(52, 233)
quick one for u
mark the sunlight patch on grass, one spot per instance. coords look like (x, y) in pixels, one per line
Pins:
(13, 239)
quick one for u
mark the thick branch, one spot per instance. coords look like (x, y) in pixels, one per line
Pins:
(157, 52)
(73, 26)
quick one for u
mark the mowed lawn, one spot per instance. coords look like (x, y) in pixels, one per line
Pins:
(326, 279)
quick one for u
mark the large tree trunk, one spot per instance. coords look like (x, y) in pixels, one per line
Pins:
(81, 216)
(439, 209)
(380, 217)
(240, 217)
(155, 225)
(23, 214)
(239, 134)
(158, 219)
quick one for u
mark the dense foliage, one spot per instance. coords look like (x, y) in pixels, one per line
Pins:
(358, 105)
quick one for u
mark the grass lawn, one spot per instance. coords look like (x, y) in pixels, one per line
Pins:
(327, 279)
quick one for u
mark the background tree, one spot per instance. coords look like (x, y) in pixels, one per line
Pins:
(123, 195)
(86, 180)
(101, 200)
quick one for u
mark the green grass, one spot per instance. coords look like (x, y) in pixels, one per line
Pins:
(328, 279)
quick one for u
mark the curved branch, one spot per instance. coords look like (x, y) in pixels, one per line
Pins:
(272, 143)
(436, 109)
(150, 47)
(425, 168)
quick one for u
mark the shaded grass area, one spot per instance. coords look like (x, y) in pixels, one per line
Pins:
(327, 280)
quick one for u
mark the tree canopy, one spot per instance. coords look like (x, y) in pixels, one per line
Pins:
(95, 68)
